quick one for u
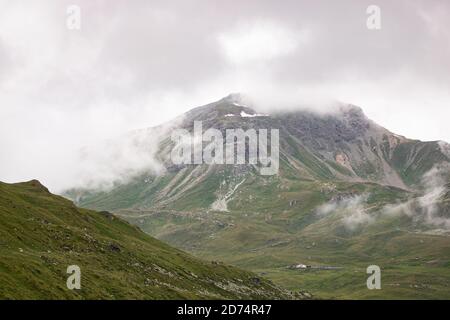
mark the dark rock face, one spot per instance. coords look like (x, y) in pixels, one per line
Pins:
(256, 280)
(114, 247)
(346, 126)
(318, 131)
(107, 214)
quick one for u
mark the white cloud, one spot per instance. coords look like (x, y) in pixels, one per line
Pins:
(426, 207)
(351, 211)
(260, 41)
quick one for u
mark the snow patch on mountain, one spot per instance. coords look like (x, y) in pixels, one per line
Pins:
(247, 115)
(244, 114)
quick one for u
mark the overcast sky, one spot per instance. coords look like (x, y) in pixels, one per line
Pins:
(135, 64)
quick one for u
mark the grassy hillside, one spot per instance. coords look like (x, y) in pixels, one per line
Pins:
(42, 234)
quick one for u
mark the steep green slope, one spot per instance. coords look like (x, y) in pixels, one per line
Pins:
(413, 159)
(42, 234)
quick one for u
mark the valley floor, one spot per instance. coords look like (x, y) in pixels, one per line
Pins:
(414, 265)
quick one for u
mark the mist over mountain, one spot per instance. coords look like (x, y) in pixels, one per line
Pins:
(348, 193)
(336, 141)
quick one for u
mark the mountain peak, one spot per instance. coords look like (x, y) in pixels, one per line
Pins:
(233, 104)
(235, 97)
(36, 184)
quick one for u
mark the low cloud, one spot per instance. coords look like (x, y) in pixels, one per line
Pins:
(117, 161)
(427, 208)
(353, 211)
(259, 41)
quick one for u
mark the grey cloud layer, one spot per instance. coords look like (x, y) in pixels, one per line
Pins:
(138, 63)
